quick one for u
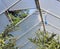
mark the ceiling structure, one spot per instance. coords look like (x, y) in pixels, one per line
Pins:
(31, 23)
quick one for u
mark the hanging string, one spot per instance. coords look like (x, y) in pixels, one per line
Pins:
(46, 19)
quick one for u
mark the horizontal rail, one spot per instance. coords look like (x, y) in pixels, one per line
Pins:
(27, 31)
(17, 38)
(37, 11)
(25, 18)
(51, 13)
(10, 6)
(28, 41)
(53, 26)
(23, 45)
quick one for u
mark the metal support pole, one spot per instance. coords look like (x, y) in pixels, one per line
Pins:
(39, 9)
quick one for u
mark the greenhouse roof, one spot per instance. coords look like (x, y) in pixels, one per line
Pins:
(30, 24)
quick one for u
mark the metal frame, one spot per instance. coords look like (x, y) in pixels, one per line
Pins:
(39, 9)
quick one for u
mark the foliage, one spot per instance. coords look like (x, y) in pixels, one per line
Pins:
(6, 40)
(46, 41)
(14, 19)
(18, 15)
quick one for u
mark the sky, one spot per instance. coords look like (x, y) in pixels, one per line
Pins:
(31, 11)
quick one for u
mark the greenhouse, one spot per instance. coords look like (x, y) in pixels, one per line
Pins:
(29, 24)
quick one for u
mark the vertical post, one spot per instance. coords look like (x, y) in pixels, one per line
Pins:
(6, 12)
(39, 9)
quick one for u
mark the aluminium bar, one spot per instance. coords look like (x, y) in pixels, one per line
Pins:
(51, 13)
(10, 6)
